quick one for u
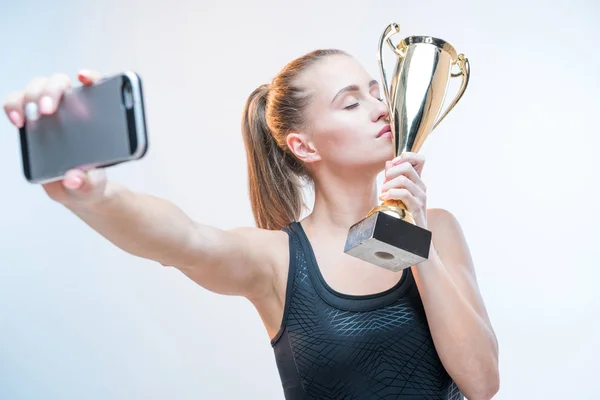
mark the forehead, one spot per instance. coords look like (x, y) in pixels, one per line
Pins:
(333, 73)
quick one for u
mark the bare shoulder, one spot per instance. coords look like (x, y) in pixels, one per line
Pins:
(448, 236)
(450, 241)
(267, 247)
(441, 218)
(270, 244)
(445, 227)
(241, 261)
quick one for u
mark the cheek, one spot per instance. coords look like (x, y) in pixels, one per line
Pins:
(331, 141)
(342, 137)
(343, 129)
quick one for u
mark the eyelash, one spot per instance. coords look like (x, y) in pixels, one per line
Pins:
(356, 104)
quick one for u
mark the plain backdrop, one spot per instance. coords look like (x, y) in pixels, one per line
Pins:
(515, 161)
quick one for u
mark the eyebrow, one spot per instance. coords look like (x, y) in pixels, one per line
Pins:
(352, 88)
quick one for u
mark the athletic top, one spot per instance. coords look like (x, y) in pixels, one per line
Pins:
(338, 346)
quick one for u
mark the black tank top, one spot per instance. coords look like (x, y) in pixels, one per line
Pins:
(337, 346)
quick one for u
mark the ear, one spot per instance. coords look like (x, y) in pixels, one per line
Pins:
(302, 147)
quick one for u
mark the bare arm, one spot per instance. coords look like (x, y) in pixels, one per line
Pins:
(234, 262)
(459, 323)
(237, 262)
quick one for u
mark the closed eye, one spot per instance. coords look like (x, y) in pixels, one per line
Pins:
(351, 106)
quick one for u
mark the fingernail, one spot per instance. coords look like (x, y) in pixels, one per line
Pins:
(73, 183)
(32, 111)
(85, 76)
(46, 105)
(16, 118)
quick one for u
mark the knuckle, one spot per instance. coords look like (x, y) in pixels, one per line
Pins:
(400, 180)
(34, 89)
(12, 100)
(36, 82)
(402, 192)
(59, 76)
(59, 81)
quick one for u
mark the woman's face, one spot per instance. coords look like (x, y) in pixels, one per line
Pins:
(346, 116)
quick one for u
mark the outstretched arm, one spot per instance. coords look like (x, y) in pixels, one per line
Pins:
(234, 262)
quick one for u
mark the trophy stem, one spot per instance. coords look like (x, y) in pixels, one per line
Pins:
(396, 207)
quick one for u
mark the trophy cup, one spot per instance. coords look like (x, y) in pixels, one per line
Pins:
(388, 236)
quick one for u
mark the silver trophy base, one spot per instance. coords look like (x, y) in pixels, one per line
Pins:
(388, 242)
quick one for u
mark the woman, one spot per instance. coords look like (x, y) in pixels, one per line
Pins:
(340, 328)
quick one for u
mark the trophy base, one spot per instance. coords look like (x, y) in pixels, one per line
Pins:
(388, 242)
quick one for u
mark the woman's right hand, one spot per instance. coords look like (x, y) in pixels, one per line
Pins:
(78, 185)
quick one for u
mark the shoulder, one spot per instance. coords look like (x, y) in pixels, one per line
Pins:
(270, 249)
(439, 218)
(445, 227)
(264, 241)
(271, 246)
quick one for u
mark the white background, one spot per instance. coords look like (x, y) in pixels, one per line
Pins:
(515, 162)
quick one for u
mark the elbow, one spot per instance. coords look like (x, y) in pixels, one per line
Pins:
(485, 388)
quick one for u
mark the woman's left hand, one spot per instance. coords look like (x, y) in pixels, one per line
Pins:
(403, 182)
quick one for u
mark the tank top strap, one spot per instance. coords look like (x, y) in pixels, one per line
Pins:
(343, 301)
(291, 277)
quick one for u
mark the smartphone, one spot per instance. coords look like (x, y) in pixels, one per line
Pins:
(93, 127)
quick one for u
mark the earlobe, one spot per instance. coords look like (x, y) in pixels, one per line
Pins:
(302, 148)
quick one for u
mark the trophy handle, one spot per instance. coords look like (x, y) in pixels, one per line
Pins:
(463, 65)
(390, 31)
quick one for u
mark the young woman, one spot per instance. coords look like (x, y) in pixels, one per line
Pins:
(341, 328)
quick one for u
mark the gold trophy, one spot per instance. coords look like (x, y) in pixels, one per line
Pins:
(388, 236)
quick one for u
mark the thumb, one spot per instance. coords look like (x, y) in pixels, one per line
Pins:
(77, 181)
(88, 77)
(74, 179)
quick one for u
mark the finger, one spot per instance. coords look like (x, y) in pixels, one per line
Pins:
(402, 182)
(52, 92)
(83, 182)
(33, 92)
(13, 107)
(407, 170)
(34, 88)
(413, 158)
(74, 179)
(412, 203)
(88, 77)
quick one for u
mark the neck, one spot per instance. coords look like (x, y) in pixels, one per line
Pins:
(341, 202)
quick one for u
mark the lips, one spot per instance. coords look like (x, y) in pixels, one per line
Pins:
(384, 130)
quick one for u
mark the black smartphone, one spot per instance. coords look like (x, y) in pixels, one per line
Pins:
(93, 127)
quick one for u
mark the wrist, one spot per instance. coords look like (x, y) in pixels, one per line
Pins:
(420, 220)
(103, 202)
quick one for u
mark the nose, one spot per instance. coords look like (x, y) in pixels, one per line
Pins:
(380, 111)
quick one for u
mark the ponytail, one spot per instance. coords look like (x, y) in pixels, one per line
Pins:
(274, 175)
